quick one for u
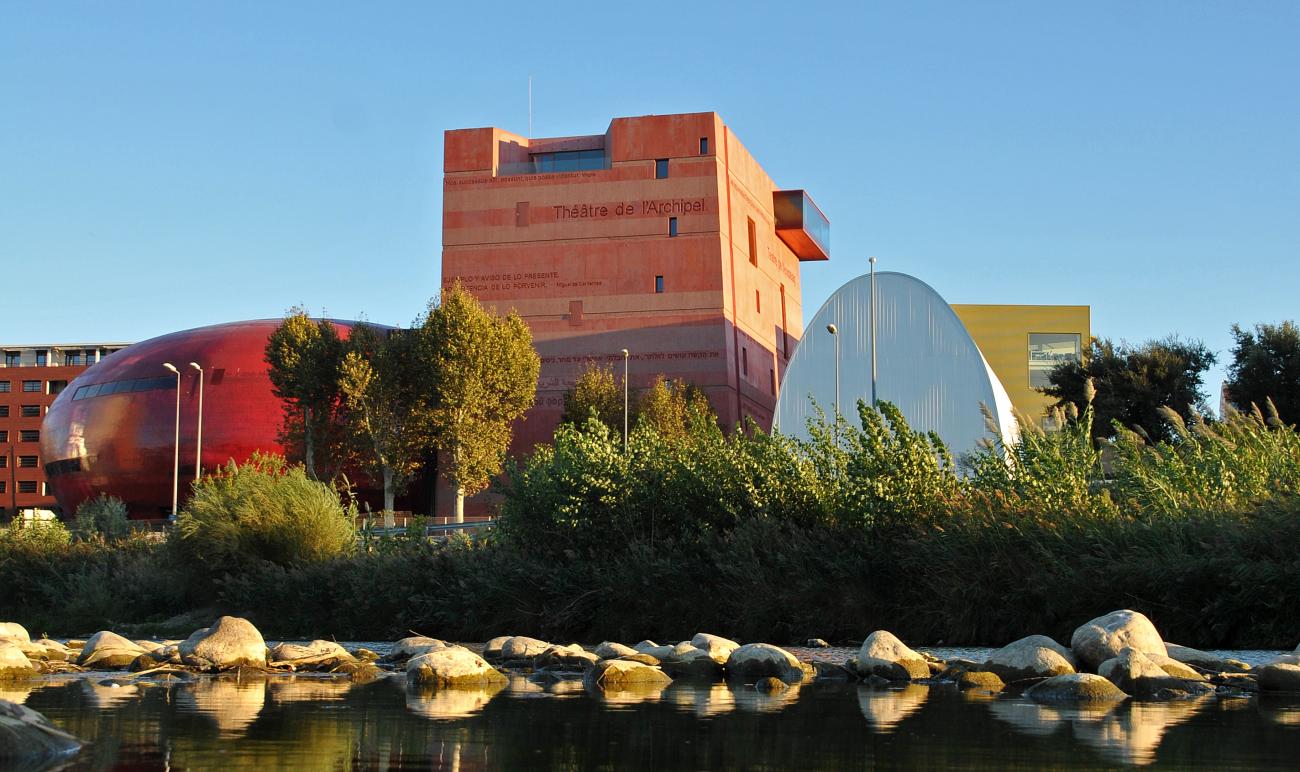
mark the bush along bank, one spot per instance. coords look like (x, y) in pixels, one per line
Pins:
(761, 537)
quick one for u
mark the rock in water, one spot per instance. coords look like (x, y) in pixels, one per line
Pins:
(28, 738)
(1201, 659)
(107, 649)
(13, 663)
(413, 646)
(14, 630)
(1035, 656)
(718, 648)
(1075, 687)
(612, 650)
(1142, 675)
(523, 647)
(1280, 677)
(229, 643)
(882, 654)
(983, 680)
(452, 666)
(492, 649)
(761, 660)
(1106, 636)
(616, 674)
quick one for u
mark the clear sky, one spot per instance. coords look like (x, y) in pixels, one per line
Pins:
(166, 165)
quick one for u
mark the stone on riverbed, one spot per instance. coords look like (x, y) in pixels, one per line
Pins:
(1105, 637)
(1034, 656)
(980, 679)
(686, 659)
(29, 740)
(1075, 687)
(653, 649)
(717, 647)
(492, 649)
(107, 649)
(571, 656)
(883, 654)
(15, 631)
(452, 666)
(523, 647)
(1280, 677)
(618, 674)
(1144, 676)
(413, 646)
(760, 660)
(13, 663)
(1201, 659)
(317, 654)
(230, 642)
(612, 650)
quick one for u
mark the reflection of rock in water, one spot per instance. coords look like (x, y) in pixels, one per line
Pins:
(631, 694)
(1027, 717)
(565, 688)
(701, 699)
(306, 689)
(231, 705)
(15, 692)
(450, 702)
(108, 694)
(885, 708)
(1279, 710)
(520, 686)
(1132, 733)
(752, 700)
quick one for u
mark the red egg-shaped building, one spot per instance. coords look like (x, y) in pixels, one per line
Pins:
(113, 430)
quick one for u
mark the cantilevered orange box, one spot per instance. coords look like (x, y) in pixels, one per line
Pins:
(662, 236)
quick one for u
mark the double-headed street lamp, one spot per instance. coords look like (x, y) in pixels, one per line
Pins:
(176, 454)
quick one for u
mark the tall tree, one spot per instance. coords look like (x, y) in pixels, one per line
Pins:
(382, 380)
(1266, 365)
(595, 391)
(483, 372)
(1134, 383)
(673, 408)
(304, 355)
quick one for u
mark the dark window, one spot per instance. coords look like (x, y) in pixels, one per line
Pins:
(2, 490)
(758, 301)
(744, 361)
(672, 226)
(5, 387)
(26, 486)
(568, 161)
(771, 375)
(57, 387)
(27, 462)
(12, 358)
(4, 411)
(4, 435)
(753, 242)
(785, 339)
(31, 411)
(704, 145)
(42, 358)
(32, 387)
(90, 356)
(71, 358)
(659, 284)
(29, 435)
(661, 168)
(4, 462)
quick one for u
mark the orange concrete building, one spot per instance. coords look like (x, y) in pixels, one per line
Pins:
(662, 236)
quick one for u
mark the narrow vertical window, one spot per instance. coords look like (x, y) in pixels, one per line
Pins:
(744, 361)
(753, 242)
(785, 338)
(672, 226)
(758, 301)
(661, 168)
(771, 376)
(659, 285)
(704, 145)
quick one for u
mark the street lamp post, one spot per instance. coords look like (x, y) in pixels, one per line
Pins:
(176, 454)
(835, 333)
(625, 400)
(873, 330)
(198, 443)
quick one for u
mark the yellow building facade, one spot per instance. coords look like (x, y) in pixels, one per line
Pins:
(1023, 343)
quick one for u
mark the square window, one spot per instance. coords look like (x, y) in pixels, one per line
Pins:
(56, 387)
(672, 226)
(4, 411)
(42, 358)
(32, 387)
(29, 435)
(72, 358)
(661, 168)
(12, 358)
(753, 242)
(659, 284)
(26, 486)
(31, 411)
(704, 145)
(4, 435)
(27, 462)
(1049, 349)
(5, 386)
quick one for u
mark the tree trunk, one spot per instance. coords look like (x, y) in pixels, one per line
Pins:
(388, 488)
(460, 503)
(308, 444)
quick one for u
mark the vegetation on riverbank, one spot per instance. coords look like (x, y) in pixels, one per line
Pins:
(765, 537)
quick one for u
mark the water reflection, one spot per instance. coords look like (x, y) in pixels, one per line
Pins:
(231, 705)
(450, 702)
(754, 700)
(884, 709)
(701, 700)
(1126, 733)
(308, 689)
(628, 695)
(106, 694)
(1283, 710)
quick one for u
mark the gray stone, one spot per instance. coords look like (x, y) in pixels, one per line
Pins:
(612, 650)
(230, 642)
(882, 654)
(616, 674)
(1105, 637)
(523, 647)
(1075, 687)
(413, 646)
(717, 647)
(29, 740)
(761, 660)
(492, 649)
(451, 666)
(1198, 658)
(107, 649)
(13, 663)
(980, 679)
(316, 650)
(1035, 656)
(1279, 678)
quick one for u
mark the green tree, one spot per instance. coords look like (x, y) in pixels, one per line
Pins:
(674, 408)
(385, 386)
(483, 372)
(104, 516)
(596, 391)
(1132, 384)
(304, 356)
(1266, 365)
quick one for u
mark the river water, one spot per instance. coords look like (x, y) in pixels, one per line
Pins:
(312, 722)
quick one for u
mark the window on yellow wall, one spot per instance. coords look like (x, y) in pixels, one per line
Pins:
(758, 301)
(753, 242)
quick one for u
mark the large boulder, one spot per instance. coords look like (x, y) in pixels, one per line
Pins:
(1198, 658)
(1034, 656)
(107, 649)
(569, 657)
(1143, 676)
(1075, 687)
(29, 741)
(13, 663)
(413, 646)
(612, 650)
(717, 647)
(317, 649)
(14, 630)
(883, 655)
(492, 649)
(230, 642)
(452, 666)
(685, 659)
(1106, 636)
(754, 661)
(1280, 677)
(620, 674)
(653, 649)
(523, 647)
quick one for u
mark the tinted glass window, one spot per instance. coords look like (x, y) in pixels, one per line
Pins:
(4, 386)
(569, 161)
(1046, 351)
(661, 168)
(32, 386)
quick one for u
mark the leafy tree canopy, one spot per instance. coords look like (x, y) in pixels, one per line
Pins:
(304, 356)
(596, 391)
(1266, 366)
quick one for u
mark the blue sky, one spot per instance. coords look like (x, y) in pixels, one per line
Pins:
(169, 165)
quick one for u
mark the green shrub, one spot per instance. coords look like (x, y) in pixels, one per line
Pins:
(263, 510)
(103, 516)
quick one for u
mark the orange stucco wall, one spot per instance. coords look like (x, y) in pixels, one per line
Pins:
(577, 253)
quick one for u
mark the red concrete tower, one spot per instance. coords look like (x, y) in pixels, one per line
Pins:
(662, 236)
